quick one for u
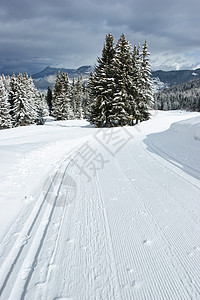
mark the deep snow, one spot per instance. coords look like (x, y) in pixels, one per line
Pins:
(101, 214)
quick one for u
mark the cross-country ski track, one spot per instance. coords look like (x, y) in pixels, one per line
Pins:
(132, 231)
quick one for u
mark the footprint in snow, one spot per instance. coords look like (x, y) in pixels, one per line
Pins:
(132, 179)
(114, 199)
(142, 213)
(130, 270)
(70, 241)
(136, 284)
(147, 242)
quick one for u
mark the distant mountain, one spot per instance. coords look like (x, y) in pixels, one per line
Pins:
(47, 77)
(170, 78)
(161, 79)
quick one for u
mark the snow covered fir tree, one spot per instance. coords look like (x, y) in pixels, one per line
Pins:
(121, 87)
(5, 116)
(21, 103)
(69, 100)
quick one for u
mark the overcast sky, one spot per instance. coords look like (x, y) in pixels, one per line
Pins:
(71, 33)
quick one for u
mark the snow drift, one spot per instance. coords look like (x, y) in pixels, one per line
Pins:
(180, 145)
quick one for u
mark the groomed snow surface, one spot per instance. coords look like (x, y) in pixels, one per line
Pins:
(91, 213)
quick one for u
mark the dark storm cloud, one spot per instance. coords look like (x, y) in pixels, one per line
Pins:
(70, 33)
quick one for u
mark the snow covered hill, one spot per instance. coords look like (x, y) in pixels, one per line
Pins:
(91, 213)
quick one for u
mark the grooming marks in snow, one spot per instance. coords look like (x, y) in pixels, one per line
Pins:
(111, 221)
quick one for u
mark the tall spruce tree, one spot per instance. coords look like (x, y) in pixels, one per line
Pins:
(61, 102)
(121, 87)
(5, 117)
(32, 97)
(85, 101)
(118, 113)
(56, 94)
(49, 100)
(22, 110)
(73, 98)
(147, 85)
(12, 95)
(79, 99)
(138, 84)
(65, 97)
(121, 104)
(134, 85)
(102, 85)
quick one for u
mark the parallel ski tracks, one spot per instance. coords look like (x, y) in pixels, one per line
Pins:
(189, 280)
(28, 244)
(21, 256)
(96, 247)
(15, 275)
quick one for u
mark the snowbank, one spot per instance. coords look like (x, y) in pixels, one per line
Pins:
(190, 128)
(180, 145)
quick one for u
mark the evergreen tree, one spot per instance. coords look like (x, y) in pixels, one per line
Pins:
(147, 85)
(79, 99)
(73, 98)
(139, 84)
(24, 100)
(135, 84)
(49, 100)
(119, 115)
(56, 93)
(6, 82)
(85, 101)
(12, 95)
(33, 97)
(65, 96)
(5, 117)
(42, 109)
(121, 87)
(61, 101)
(121, 108)
(22, 110)
(102, 85)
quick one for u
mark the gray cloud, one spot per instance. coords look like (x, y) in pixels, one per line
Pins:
(70, 33)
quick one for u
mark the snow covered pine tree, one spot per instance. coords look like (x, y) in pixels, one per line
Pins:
(5, 117)
(102, 86)
(121, 86)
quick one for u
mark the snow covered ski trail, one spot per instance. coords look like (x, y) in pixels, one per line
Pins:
(27, 247)
(128, 229)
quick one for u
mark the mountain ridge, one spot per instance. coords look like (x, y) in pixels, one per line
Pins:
(47, 76)
(161, 79)
(53, 71)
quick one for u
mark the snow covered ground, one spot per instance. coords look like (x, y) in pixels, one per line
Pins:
(101, 214)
